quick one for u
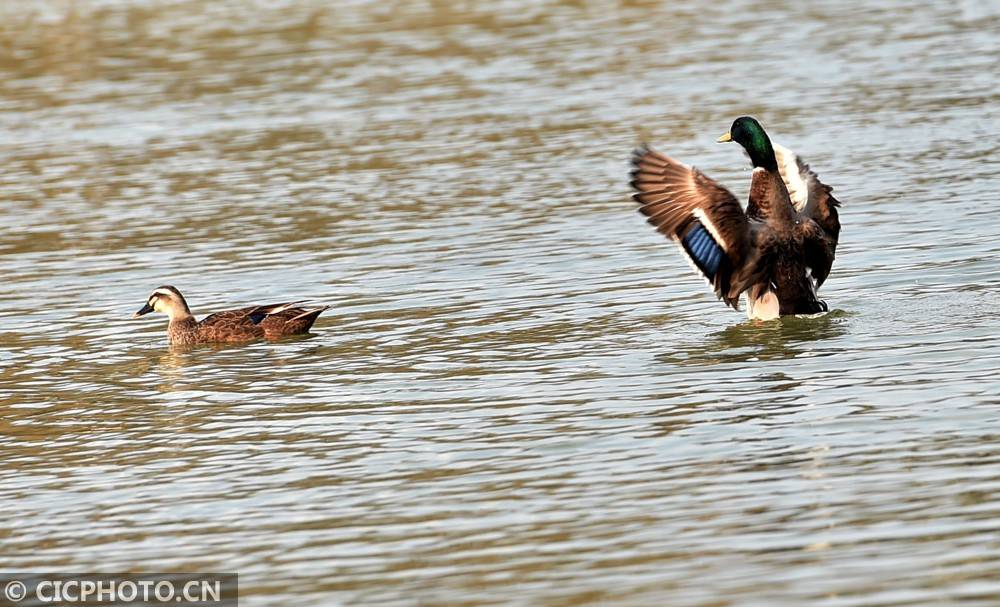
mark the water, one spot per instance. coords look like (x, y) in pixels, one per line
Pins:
(521, 394)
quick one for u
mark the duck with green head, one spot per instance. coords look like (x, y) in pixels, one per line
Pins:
(778, 251)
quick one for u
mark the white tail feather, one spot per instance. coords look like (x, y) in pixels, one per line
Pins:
(284, 307)
(765, 307)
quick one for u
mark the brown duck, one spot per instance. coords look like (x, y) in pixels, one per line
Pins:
(778, 251)
(241, 325)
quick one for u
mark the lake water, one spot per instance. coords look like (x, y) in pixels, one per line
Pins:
(521, 393)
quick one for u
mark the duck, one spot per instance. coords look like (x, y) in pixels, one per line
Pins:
(240, 325)
(778, 251)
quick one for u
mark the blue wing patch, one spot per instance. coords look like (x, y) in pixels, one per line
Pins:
(702, 249)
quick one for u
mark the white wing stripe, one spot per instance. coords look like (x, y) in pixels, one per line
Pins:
(705, 221)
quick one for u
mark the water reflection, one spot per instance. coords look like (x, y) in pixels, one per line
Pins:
(517, 381)
(755, 340)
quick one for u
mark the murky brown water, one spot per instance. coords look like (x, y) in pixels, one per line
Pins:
(521, 394)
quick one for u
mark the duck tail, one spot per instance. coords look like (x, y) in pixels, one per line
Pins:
(307, 318)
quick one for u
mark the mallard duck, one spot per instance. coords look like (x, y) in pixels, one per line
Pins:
(241, 325)
(779, 251)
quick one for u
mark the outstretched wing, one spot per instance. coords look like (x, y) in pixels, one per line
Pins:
(810, 196)
(703, 217)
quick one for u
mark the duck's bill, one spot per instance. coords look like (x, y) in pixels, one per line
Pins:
(726, 137)
(146, 309)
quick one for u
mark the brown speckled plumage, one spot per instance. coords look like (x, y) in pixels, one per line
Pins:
(230, 326)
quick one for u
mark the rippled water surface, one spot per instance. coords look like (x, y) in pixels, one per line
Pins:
(521, 394)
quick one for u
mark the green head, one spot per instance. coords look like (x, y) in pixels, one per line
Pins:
(747, 132)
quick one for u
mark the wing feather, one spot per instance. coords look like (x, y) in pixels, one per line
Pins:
(811, 197)
(703, 217)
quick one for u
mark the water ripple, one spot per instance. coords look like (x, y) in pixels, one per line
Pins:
(520, 393)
